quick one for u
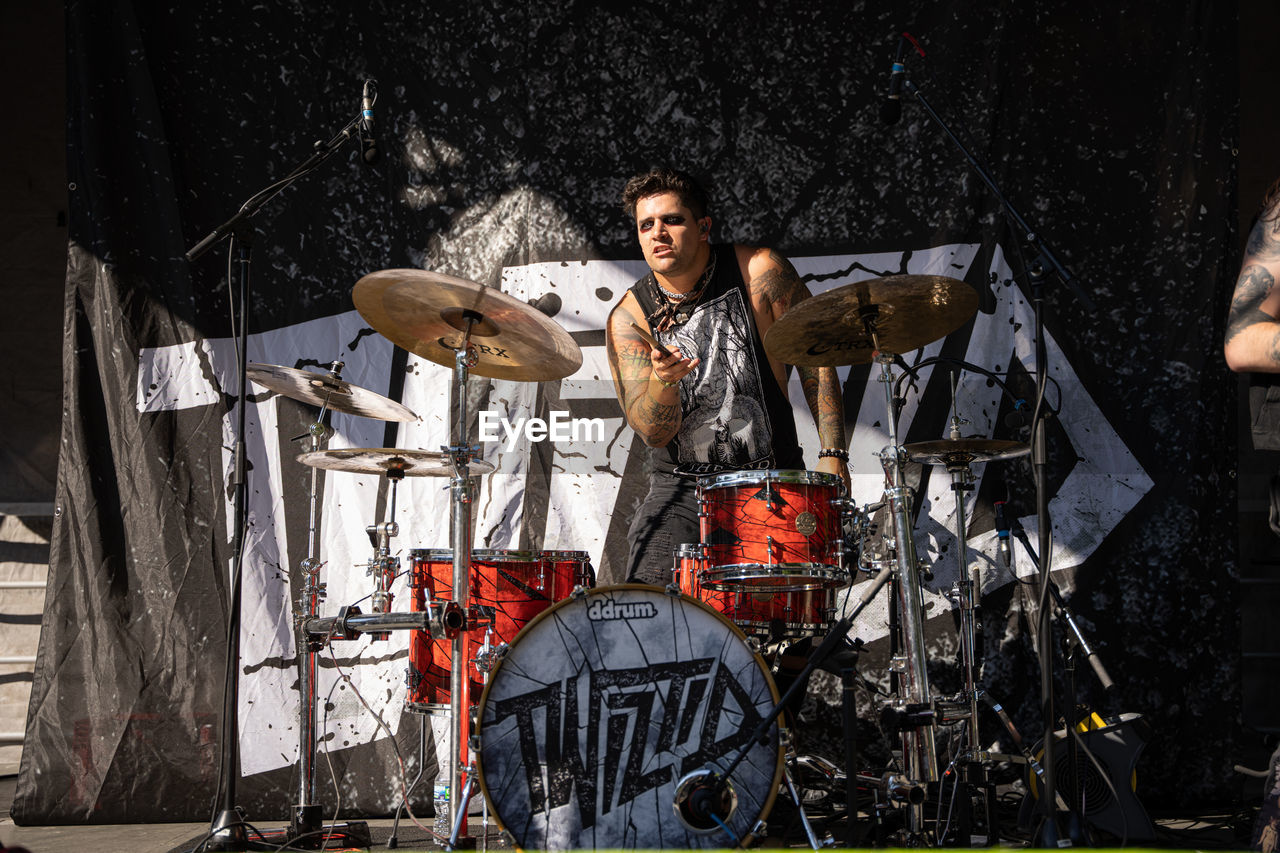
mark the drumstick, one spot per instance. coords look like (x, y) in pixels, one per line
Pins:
(651, 340)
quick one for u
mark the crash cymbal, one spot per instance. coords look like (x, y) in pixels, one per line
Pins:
(387, 460)
(909, 312)
(320, 389)
(962, 451)
(426, 312)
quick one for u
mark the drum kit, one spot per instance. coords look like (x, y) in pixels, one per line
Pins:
(631, 716)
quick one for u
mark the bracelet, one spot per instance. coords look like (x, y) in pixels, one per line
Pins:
(664, 383)
(834, 453)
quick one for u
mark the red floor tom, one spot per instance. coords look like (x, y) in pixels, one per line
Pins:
(517, 585)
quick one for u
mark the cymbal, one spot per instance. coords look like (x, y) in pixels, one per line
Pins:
(319, 389)
(962, 451)
(426, 313)
(909, 311)
(386, 460)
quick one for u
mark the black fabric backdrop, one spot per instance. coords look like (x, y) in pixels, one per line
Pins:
(507, 134)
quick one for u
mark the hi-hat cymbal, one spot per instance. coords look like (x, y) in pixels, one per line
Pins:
(962, 451)
(321, 389)
(426, 313)
(909, 311)
(389, 460)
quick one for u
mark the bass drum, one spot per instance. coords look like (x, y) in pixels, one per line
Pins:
(609, 707)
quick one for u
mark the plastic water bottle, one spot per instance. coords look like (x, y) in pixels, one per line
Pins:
(441, 795)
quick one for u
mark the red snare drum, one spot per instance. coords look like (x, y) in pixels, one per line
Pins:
(763, 612)
(777, 529)
(518, 585)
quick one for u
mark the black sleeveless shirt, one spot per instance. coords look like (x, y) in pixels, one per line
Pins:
(733, 414)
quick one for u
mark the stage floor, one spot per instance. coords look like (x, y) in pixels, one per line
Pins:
(1209, 830)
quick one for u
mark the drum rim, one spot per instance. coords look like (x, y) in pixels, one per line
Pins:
(741, 575)
(526, 556)
(477, 728)
(787, 476)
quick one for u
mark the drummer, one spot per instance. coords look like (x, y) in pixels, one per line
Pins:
(714, 400)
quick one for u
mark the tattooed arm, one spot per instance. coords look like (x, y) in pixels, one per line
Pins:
(1252, 341)
(647, 382)
(775, 286)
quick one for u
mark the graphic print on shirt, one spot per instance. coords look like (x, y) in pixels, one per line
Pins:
(724, 425)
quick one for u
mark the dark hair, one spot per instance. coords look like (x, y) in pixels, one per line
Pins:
(663, 179)
(1270, 210)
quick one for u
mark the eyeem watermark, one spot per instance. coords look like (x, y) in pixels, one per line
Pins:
(560, 427)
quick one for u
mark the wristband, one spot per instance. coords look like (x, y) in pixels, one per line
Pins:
(834, 453)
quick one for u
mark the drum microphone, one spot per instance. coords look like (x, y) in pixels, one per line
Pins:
(1002, 535)
(1019, 417)
(704, 801)
(891, 108)
(368, 142)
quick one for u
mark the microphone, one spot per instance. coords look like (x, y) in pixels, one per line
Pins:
(368, 142)
(1002, 535)
(891, 108)
(1019, 417)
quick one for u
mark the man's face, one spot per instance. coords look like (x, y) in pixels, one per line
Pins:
(669, 235)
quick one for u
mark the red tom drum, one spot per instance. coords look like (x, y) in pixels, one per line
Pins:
(517, 585)
(777, 529)
(763, 612)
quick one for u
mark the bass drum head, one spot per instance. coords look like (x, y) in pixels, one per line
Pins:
(604, 703)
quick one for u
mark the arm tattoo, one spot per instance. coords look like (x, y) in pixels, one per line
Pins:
(779, 286)
(1252, 287)
(822, 392)
(1264, 239)
(656, 422)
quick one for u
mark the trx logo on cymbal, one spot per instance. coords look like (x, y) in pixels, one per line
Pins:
(823, 349)
(602, 609)
(560, 427)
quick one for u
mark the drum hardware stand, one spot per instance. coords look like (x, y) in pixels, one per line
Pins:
(810, 836)
(462, 493)
(394, 841)
(1077, 644)
(383, 567)
(919, 752)
(440, 619)
(706, 796)
(306, 817)
(1047, 836)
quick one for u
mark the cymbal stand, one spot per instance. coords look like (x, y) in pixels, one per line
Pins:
(462, 493)
(968, 587)
(919, 751)
(306, 812)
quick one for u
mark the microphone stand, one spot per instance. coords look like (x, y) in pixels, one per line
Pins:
(703, 799)
(1047, 836)
(228, 831)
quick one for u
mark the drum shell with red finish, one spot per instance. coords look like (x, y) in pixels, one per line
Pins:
(517, 585)
(778, 528)
(764, 612)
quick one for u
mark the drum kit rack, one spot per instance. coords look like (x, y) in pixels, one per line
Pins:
(739, 579)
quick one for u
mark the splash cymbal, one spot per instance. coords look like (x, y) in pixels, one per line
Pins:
(321, 389)
(427, 314)
(389, 460)
(907, 311)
